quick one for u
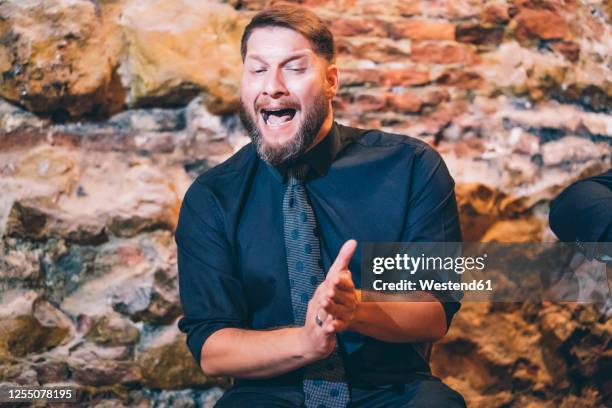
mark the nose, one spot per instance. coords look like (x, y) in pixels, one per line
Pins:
(275, 84)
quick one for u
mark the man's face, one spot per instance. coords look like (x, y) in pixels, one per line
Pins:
(285, 93)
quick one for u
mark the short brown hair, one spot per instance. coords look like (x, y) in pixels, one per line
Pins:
(295, 18)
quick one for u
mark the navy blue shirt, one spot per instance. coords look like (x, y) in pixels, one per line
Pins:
(583, 211)
(363, 184)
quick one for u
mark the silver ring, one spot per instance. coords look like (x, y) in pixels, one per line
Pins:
(318, 320)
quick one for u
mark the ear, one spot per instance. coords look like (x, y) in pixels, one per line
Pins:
(332, 80)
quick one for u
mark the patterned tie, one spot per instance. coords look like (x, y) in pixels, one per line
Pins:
(324, 383)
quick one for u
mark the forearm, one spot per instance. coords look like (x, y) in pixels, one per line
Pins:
(398, 321)
(243, 353)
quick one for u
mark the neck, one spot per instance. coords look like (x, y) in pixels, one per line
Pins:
(324, 130)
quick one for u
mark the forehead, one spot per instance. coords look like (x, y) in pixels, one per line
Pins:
(270, 43)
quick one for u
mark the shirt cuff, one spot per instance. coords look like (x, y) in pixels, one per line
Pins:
(450, 304)
(198, 332)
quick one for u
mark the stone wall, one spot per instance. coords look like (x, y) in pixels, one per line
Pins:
(110, 108)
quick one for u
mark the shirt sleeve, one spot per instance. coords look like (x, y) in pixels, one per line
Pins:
(433, 216)
(583, 211)
(210, 289)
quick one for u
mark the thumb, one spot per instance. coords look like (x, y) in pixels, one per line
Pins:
(344, 256)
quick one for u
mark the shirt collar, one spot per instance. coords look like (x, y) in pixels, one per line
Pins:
(319, 158)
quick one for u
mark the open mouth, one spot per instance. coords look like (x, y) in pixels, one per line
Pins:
(277, 117)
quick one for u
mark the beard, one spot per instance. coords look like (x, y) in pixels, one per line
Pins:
(301, 141)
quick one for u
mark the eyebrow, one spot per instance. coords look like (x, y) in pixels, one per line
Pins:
(297, 55)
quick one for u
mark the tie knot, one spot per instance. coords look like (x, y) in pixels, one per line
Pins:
(296, 174)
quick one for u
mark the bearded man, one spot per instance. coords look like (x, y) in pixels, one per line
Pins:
(269, 275)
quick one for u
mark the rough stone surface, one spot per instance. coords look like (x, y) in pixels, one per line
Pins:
(112, 330)
(30, 324)
(72, 59)
(102, 366)
(177, 48)
(58, 57)
(529, 348)
(166, 363)
(110, 109)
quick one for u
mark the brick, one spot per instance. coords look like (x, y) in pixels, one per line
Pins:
(405, 77)
(539, 24)
(406, 102)
(551, 5)
(494, 14)
(435, 53)
(370, 102)
(339, 5)
(435, 97)
(460, 78)
(471, 32)
(437, 120)
(360, 76)
(404, 8)
(343, 46)
(380, 52)
(423, 30)
(340, 104)
(352, 27)
(407, 8)
(568, 49)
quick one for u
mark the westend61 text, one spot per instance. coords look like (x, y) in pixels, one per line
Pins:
(430, 284)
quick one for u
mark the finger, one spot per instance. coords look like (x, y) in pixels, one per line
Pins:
(343, 281)
(327, 308)
(339, 311)
(328, 325)
(344, 256)
(323, 313)
(330, 305)
(324, 303)
(337, 295)
(344, 298)
(339, 325)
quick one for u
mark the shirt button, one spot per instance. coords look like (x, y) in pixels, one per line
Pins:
(308, 248)
(320, 263)
(299, 266)
(291, 202)
(315, 231)
(314, 280)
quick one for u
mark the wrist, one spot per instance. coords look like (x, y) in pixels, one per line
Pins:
(305, 346)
